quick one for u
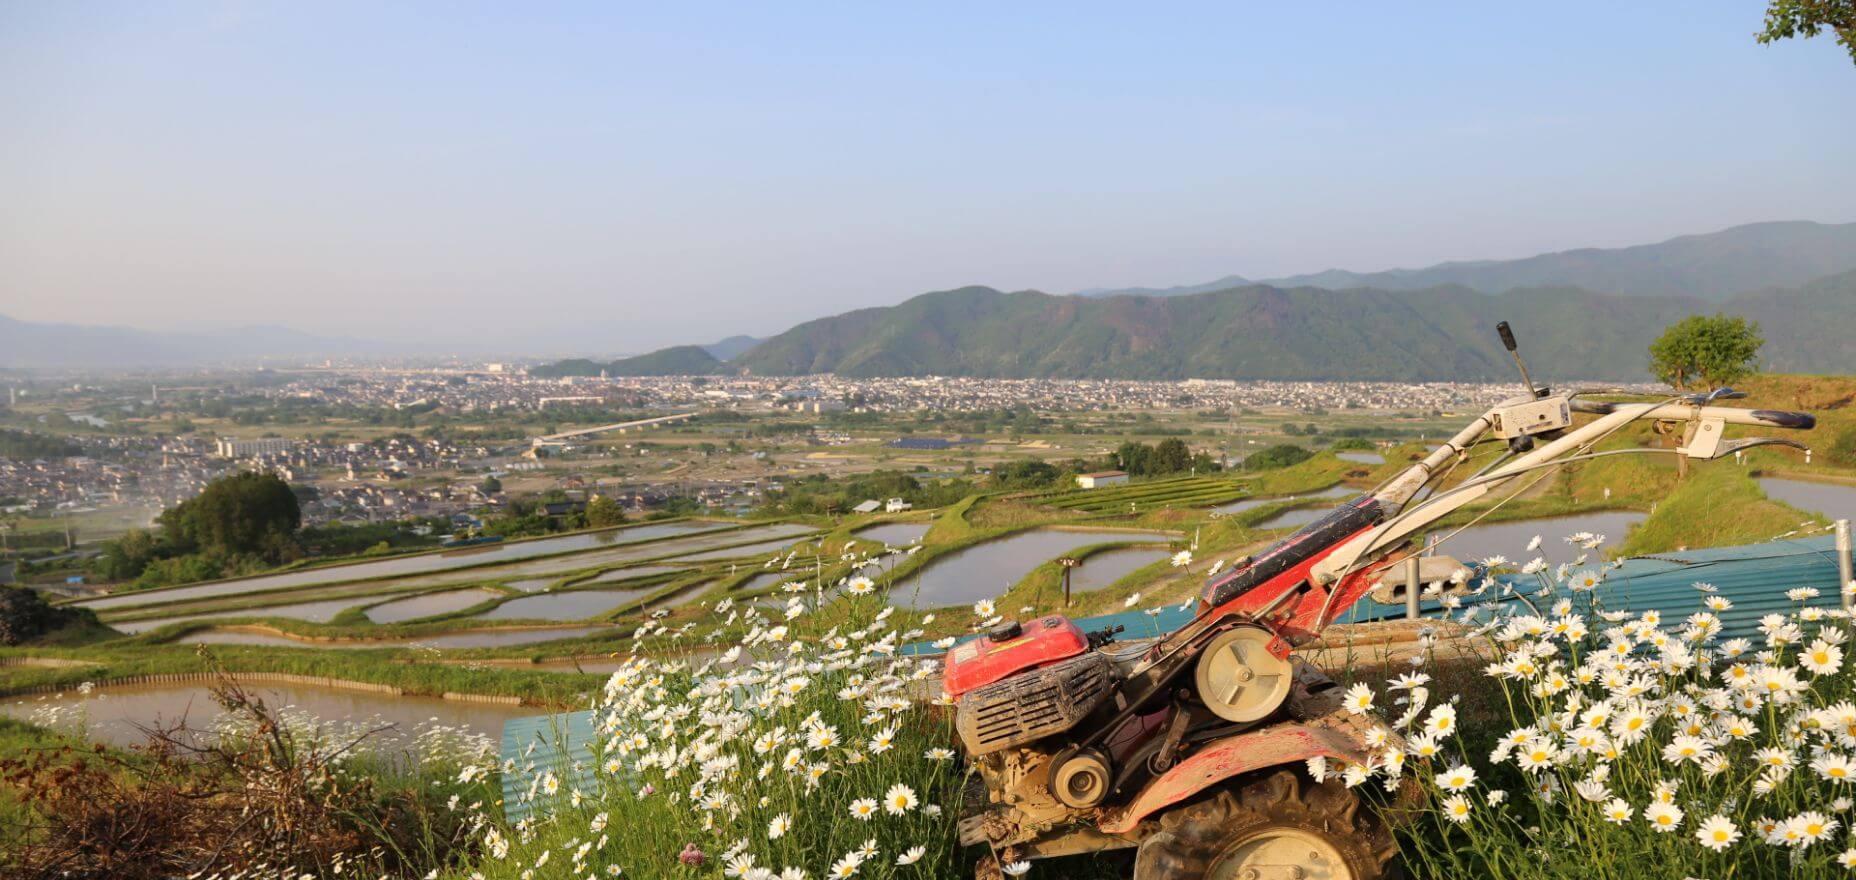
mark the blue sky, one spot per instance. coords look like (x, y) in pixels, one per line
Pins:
(602, 178)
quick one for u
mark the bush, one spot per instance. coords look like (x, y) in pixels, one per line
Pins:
(1843, 447)
(1279, 456)
(25, 615)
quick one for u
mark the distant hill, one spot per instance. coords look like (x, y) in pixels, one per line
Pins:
(1714, 266)
(28, 344)
(1808, 329)
(1225, 283)
(1264, 332)
(680, 360)
(730, 348)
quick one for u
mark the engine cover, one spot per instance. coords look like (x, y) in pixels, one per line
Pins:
(1033, 704)
(982, 661)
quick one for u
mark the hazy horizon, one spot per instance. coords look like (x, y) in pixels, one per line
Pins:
(599, 180)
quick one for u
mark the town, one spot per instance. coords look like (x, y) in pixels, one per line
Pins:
(380, 444)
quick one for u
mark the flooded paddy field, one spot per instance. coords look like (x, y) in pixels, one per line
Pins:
(894, 534)
(118, 715)
(1834, 500)
(409, 565)
(986, 570)
(428, 605)
(474, 638)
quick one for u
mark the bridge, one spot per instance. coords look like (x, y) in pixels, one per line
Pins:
(621, 427)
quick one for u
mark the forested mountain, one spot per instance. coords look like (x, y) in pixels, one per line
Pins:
(1265, 332)
(679, 360)
(1713, 266)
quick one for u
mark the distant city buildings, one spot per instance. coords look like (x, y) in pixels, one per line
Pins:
(229, 447)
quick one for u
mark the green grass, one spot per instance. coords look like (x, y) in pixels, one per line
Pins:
(1717, 505)
(410, 669)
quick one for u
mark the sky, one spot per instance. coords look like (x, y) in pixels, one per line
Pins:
(605, 178)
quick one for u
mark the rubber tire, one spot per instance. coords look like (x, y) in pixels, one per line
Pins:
(1189, 839)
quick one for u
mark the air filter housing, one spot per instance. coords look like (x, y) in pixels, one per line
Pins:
(1033, 704)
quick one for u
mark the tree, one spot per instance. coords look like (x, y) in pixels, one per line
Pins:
(491, 485)
(1171, 456)
(1706, 352)
(125, 557)
(24, 615)
(1786, 19)
(240, 514)
(602, 512)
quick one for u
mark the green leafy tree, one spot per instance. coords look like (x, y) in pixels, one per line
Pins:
(1706, 352)
(602, 512)
(491, 485)
(1171, 456)
(1786, 19)
(125, 557)
(1028, 473)
(242, 514)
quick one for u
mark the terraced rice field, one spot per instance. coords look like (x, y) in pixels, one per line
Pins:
(440, 586)
(1172, 492)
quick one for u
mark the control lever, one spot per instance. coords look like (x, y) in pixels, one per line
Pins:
(1104, 636)
(1507, 335)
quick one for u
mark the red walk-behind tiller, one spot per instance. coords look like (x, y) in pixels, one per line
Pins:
(1193, 748)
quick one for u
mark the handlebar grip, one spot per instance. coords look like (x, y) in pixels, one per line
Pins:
(1782, 418)
(1595, 407)
(1507, 335)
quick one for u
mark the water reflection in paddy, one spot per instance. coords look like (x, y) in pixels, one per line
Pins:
(1109, 566)
(115, 715)
(428, 605)
(1834, 500)
(598, 558)
(626, 574)
(986, 570)
(414, 564)
(565, 606)
(895, 534)
(314, 612)
(572, 562)
(485, 638)
(762, 548)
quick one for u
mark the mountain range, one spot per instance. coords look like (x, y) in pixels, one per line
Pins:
(1587, 314)
(1714, 266)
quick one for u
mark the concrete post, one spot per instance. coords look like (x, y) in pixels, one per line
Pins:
(1411, 588)
(1843, 562)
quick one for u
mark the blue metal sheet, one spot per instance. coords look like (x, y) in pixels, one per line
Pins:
(561, 744)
